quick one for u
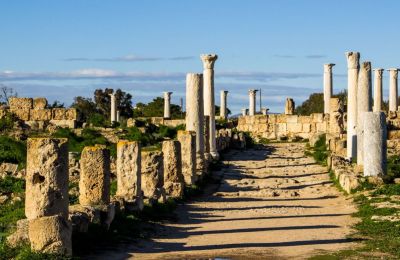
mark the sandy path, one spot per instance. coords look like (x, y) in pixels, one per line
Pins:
(272, 203)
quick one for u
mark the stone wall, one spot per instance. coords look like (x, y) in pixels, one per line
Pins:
(276, 126)
(33, 110)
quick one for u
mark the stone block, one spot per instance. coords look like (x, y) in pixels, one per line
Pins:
(304, 119)
(173, 178)
(306, 127)
(188, 152)
(94, 182)
(46, 177)
(129, 186)
(317, 117)
(321, 127)
(21, 113)
(292, 118)
(71, 114)
(17, 103)
(281, 118)
(39, 103)
(294, 127)
(152, 175)
(40, 114)
(394, 134)
(64, 123)
(50, 235)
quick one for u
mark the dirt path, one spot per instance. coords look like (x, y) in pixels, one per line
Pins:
(272, 203)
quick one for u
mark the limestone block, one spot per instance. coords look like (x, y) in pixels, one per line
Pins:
(21, 113)
(173, 178)
(129, 171)
(188, 153)
(292, 118)
(262, 128)
(306, 127)
(94, 182)
(20, 235)
(39, 103)
(281, 128)
(304, 119)
(317, 117)
(271, 118)
(16, 103)
(46, 177)
(40, 114)
(294, 127)
(64, 123)
(394, 134)
(71, 114)
(281, 118)
(58, 113)
(51, 235)
(321, 127)
(152, 174)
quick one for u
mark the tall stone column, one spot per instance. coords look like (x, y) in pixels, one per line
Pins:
(364, 104)
(113, 108)
(209, 102)
(375, 143)
(167, 105)
(352, 78)
(223, 111)
(252, 101)
(174, 183)
(244, 111)
(118, 116)
(378, 100)
(328, 86)
(393, 91)
(195, 114)
(289, 106)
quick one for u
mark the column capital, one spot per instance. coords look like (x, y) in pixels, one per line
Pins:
(252, 91)
(393, 72)
(379, 72)
(167, 94)
(366, 65)
(328, 67)
(353, 60)
(224, 92)
(208, 60)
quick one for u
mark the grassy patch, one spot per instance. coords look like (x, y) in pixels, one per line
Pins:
(319, 152)
(12, 151)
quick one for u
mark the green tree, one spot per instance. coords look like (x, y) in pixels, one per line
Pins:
(314, 104)
(155, 108)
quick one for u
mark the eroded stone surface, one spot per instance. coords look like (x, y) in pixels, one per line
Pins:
(188, 153)
(46, 177)
(173, 178)
(152, 175)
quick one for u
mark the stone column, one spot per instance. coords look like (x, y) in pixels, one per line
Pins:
(209, 103)
(378, 90)
(118, 115)
(289, 106)
(94, 181)
(328, 86)
(129, 186)
(46, 178)
(153, 176)
(352, 78)
(46, 200)
(375, 144)
(252, 101)
(244, 111)
(113, 108)
(264, 111)
(364, 104)
(195, 114)
(223, 111)
(336, 111)
(188, 152)
(167, 105)
(393, 91)
(173, 179)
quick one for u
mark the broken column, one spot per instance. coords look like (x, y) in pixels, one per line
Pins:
(188, 153)
(46, 200)
(167, 105)
(244, 111)
(375, 133)
(378, 90)
(153, 176)
(195, 114)
(173, 178)
(129, 187)
(393, 91)
(328, 86)
(118, 116)
(113, 112)
(289, 106)
(252, 101)
(336, 124)
(223, 111)
(364, 104)
(94, 182)
(209, 102)
(352, 78)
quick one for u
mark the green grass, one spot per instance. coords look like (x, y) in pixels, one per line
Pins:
(12, 151)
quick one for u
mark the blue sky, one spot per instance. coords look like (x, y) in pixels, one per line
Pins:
(62, 49)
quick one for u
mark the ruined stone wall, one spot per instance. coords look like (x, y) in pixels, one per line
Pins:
(157, 121)
(276, 126)
(33, 110)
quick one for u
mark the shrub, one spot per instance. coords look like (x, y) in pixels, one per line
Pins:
(12, 151)
(7, 121)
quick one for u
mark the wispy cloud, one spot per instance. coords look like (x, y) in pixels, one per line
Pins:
(315, 56)
(285, 56)
(147, 76)
(130, 58)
